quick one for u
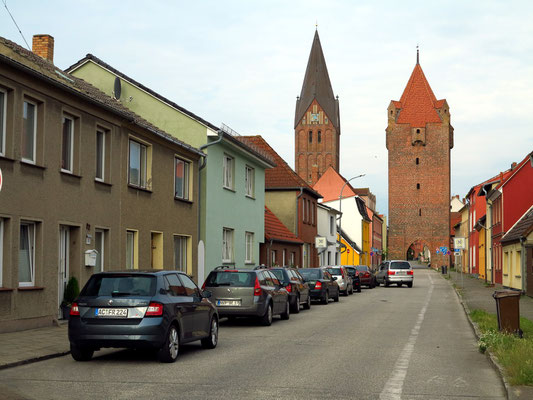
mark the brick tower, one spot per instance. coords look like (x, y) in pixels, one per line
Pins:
(316, 122)
(419, 141)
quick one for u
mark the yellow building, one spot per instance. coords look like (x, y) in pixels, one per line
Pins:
(350, 252)
(481, 247)
(365, 256)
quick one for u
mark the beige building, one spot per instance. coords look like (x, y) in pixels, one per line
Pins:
(85, 181)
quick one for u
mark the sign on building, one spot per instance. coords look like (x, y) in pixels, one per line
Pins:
(321, 242)
(459, 243)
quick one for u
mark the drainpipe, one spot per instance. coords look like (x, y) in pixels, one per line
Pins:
(297, 222)
(523, 261)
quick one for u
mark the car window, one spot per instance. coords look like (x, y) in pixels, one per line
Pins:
(294, 276)
(190, 287)
(231, 278)
(400, 265)
(362, 268)
(335, 271)
(278, 273)
(275, 280)
(327, 275)
(268, 278)
(175, 286)
(120, 285)
(262, 279)
(310, 274)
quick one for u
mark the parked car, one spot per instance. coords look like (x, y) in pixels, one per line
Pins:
(395, 271)
(367, 276)
(141, 309)
(248, 293)
(352, 271)
(297, 287)
(321, 283)
(343, 279)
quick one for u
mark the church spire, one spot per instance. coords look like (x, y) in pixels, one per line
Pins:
(317, 86)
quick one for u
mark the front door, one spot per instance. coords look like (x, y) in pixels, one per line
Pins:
(64, 238)
(529, 271)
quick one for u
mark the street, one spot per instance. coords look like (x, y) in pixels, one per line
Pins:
(384, 343)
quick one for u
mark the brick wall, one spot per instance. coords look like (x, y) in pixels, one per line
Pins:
(43, 46)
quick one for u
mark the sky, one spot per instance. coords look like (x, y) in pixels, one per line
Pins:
(242, 63)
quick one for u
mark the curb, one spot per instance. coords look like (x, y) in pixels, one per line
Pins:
(33, 360)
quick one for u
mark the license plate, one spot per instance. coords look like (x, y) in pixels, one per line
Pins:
(230, 303)
(112, 312)
(400, 273)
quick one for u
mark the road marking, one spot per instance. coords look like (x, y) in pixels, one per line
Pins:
(394, 386)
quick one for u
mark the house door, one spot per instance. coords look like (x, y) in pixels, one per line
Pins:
(64, 239)
(529, 271)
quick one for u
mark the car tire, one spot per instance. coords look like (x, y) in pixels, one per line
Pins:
(211, 341)
(296, 305)
(351, 290)
(359, 289)
(266, 320)
(336, 298)
(287, 314)
(410, 284)
(325, 299)
(307, 304)
(345, 293)
(168, 353)
(80, 353)
(387, 284)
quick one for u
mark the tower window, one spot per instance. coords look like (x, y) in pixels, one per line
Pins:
(417, 161)
(419, 212)
(310, 136)
(418, 131)
(391, 112)
(319, 137)
(418, 185)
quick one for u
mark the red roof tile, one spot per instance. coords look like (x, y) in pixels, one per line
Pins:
(275, 230)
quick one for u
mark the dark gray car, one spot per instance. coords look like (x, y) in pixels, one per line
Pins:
(248, 293)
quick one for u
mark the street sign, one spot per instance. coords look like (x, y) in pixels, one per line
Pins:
(321, 242)
(459, 243)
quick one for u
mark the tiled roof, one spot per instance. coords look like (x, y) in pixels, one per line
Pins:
(455, 218)
(418, 105)
(275, 230)
(23, 59)
(522, 228)
(330, 184)
(317, 86)
(281, 176)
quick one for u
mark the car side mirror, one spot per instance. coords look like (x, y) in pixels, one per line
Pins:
(334, 278)
(206, 294)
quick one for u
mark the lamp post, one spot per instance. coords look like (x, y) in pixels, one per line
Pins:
(340, 205)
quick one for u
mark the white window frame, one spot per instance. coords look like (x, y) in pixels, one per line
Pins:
(1, 251)
(69, 168)
(31, 243)
(143, 164)
(100, 154)
(34, 155)
(293, 259)
(249, 181)
(227, 171)
(227, 245)
(101, 254)
(284, 255)
(249, 247)
(272, 258)
(3, 118)
(183, 243)
(131, 242)
(186, 178)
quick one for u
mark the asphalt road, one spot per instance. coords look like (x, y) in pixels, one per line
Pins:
(384, 343)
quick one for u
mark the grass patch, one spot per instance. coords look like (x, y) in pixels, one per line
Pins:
(514, 354)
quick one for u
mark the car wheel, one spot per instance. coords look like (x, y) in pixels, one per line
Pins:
(80, 353)
(325, 299)
(410, 284)
(336, 298)
(287, 313)
(169, 352)
(346, 292)
(359, 289)
(266, 320)
(296, 305)
(351, 290)
(307, 304)
(387, 284)
(211, 341)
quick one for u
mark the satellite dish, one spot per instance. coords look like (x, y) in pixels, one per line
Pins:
(118, 88)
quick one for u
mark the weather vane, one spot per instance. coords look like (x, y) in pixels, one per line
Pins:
(316, 25)
(417, 57)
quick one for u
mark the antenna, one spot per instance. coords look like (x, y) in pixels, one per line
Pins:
(15, 22)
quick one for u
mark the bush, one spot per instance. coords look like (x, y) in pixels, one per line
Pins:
(71, 291)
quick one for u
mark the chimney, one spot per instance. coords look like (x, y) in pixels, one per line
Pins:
(513, 165)
(43, 46)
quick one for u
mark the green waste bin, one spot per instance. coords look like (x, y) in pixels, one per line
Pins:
(508, 311)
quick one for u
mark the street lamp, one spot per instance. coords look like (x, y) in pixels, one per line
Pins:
(340, 205)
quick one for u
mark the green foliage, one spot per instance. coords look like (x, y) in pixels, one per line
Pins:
(71, 291)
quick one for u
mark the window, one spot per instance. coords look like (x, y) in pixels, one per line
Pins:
(100, 154)
(137, 167)
(249, 240)
(419, 212)
(303, 210)
(67, 144)
(310, 136)
(181, 179)
(180, 253)
(1, 250)
(293, 258)
(99, 246)
(227, 245)
(131, 249)
(27, 254)
(331, 225)
(190, 287)
(418, 185)
(417, 161)
(250, 181)
(329, 258)
(29, 131)
(227, 170)
(273, 258)
(319, 137)
(3, 111)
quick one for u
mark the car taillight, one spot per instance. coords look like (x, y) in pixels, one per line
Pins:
(357, 273)
(367, 274)
(203, 286)
(288, 287)
(74, 310)
(257, 288)
(318, 285)
(154, 310)
(391, 272)
(409, 272)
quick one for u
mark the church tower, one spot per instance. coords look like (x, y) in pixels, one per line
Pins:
(419, 142)
(316, 122)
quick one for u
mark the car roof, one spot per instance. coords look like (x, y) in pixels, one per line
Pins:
(140, 272)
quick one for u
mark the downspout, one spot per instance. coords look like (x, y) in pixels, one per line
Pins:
(523, 261)
(297, 222)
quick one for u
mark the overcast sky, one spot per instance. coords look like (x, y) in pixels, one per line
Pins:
(243, 63)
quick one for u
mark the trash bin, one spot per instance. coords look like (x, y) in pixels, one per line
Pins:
(508, 310)
(444, 269)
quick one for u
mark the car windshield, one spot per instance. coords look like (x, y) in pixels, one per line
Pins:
(362, 268)
(310, 274)
(120, 285)
(400, 265)
(351, 271)
(335, 271)
(231, 278)
(279, 274)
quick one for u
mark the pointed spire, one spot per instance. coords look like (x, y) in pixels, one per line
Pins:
(317, 86)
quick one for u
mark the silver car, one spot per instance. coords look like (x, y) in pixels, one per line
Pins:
(395, 271)
(343, 279)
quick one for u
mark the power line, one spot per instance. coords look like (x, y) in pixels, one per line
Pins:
(15, 22)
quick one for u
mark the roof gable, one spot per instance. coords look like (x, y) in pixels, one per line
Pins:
(522, 227)
(330, 184)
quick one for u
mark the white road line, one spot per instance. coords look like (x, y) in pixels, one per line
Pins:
(394, 386)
